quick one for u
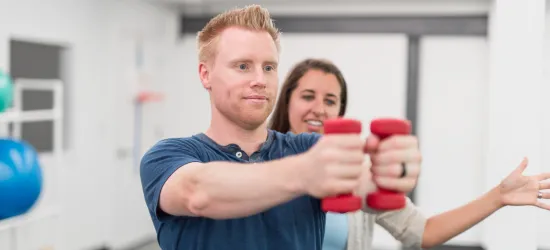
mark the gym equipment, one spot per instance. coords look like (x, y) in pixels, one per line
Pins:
(386, 199)
(6, 91)
(345, 202)
(20, 178)
(382, 199)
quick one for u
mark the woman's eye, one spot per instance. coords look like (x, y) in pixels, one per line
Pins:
(268, 68)
(308, 97)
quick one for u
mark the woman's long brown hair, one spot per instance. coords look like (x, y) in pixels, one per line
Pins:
(280, 120)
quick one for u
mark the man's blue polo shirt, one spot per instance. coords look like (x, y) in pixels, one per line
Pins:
(296, 225)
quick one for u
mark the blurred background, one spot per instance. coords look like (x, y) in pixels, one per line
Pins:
(97, 82)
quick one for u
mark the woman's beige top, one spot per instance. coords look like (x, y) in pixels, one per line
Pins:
(405, 225)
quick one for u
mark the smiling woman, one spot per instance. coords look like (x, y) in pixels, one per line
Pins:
(313, 91)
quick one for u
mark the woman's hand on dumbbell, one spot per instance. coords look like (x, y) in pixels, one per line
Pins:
(333, 166)
(395, 161)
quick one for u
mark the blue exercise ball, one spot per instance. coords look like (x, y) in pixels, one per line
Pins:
(20, 178)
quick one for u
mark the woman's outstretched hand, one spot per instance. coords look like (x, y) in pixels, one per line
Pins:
(519, 190)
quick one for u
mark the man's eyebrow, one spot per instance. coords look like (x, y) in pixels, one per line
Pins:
(272, 62)
(238, 60)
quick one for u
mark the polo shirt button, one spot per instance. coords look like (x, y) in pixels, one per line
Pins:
(239, 154)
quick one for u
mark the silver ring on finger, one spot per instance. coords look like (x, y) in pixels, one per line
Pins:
(539, 196)
(403, 170)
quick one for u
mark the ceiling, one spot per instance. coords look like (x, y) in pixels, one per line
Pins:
(336, 7)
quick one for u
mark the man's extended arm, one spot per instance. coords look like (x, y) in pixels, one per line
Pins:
(176, 183)
(223, 190)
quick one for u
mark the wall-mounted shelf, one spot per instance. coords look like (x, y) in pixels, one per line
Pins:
(29, 116)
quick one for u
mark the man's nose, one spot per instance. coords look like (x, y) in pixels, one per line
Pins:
(259, 80)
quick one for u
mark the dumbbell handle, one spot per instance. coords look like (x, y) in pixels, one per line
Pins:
(384, 199)
(346, 202)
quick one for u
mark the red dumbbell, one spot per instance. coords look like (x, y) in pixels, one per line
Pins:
(346, 202)
(386, 199)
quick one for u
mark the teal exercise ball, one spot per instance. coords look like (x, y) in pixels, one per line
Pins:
(6, 91)
(20, 178)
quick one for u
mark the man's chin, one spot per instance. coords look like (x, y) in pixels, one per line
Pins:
(255, 119)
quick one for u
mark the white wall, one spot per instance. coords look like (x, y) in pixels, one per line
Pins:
(154, 32)
(515, 113)
(452, 111)
(344, 7)
(544, 216)
(189, 109)
(455, 80)
(88, 174)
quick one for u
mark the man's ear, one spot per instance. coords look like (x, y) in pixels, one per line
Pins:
(204, 75)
